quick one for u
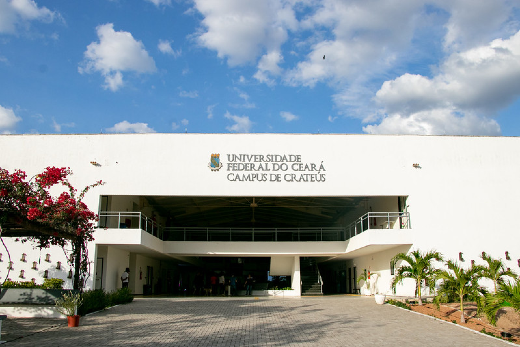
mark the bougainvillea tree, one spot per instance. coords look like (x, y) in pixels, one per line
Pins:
(29, 211)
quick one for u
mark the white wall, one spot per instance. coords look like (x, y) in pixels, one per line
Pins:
(281, 266)
(34, 254)
(117, 261)
(138, 272)
(463, 197)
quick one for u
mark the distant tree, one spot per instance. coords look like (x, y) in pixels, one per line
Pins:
(495, 271)
(461, 283)
(508, 294)
(28, 209)
(417, 266)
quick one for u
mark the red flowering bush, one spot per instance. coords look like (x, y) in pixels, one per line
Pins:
(65, 218)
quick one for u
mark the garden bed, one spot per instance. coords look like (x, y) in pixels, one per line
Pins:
(507, 319)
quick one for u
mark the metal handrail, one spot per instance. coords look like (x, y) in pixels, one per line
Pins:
(138, 220)
(379, 220)
(254, 234)
(320, 280)
(130, 220)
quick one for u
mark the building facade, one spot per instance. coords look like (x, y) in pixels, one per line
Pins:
(313, 210)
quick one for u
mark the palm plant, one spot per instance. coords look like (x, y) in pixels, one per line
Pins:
(419, 268)
(508, 294)
(365, 277)
(460, 283)
(495, 270)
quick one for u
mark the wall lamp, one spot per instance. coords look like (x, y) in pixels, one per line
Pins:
(518, 262)
(95, 163)
(460, 256)
(416, 165)
(507, 256)
(483, 254)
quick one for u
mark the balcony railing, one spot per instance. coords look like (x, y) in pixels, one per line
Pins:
(255, 234)
(370, 220)
(379, 220)
(130, 220)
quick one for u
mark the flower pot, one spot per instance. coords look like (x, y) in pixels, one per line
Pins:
(380, 298)
(73, 321)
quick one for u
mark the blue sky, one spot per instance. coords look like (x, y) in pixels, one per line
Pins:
(272, 66)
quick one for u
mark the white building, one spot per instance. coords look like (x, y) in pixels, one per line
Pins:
(275, 203)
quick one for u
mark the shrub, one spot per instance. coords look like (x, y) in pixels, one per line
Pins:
(398, 304)
(48, 283)
(69, 304)
(52, 283)
(120, 296)
(22, 284)
(93, 300)
(96, 300)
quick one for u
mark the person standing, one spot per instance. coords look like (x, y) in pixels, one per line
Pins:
(233, 284)
(222, 284)
(214, 282)
(249, 284)
(125, 278)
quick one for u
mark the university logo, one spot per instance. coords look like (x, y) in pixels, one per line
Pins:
(215, 163)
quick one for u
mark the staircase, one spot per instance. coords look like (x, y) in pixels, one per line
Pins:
(310, 277)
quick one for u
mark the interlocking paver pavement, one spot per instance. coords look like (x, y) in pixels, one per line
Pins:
(246, 321)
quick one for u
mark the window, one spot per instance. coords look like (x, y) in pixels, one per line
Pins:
(48, 258)
(35, 265)
(58, 265)
(70, 274)
(10, 267)
(46, 274)
(23, 257)
(22, 274)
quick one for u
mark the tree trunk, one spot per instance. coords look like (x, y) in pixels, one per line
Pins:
(419, 292)
(462, 319)
(77, 263)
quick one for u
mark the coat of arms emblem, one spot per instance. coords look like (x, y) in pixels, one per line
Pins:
(215, 163)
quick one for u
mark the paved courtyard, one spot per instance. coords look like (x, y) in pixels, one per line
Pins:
(246, 321)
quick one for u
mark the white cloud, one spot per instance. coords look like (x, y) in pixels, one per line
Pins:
(356, 38)
(243, 95)
(114, 81)
(185, 122)
(361, 39)
(115, 52)
(332, 119)
(15, 13)
(127, 127)
(192, 94)
(468, 87)
(435, 122)
(158, 3)
(241, 30)
(242, 124)
(288, 116)
(8, 120)
(57, 127)
(165, 47)
(175, 126)
(210, 111)
(269, 66)
(473, 23)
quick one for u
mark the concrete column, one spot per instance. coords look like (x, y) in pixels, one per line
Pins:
(295, 276)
